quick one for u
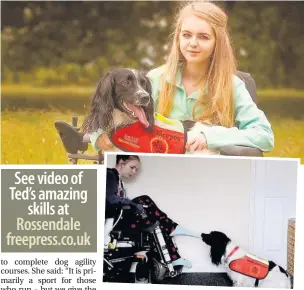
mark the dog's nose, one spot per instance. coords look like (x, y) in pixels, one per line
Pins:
(143, 97)
(204, 236)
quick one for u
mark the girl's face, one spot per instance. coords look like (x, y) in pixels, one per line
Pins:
(196, 39)
(129, 168)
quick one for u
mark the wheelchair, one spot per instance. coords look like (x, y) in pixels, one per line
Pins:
(139, 256)
(76, 142)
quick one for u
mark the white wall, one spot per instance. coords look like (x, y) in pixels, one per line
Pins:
(202, 194)
(272, 205)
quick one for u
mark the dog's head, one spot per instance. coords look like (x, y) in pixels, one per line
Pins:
(126, 90)
(218, 242)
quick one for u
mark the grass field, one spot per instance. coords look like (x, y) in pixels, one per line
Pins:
(29, 135)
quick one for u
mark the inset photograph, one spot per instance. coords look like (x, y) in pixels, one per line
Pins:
(214, 221)
(176, 77)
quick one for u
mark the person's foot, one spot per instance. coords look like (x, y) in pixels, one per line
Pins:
(180, 231)
(182, 262)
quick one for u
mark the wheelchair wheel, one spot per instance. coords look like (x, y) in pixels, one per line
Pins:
(158, 271)
(142, 272)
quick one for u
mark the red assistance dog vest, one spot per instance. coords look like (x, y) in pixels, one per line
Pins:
(251, 266)
(134, 138)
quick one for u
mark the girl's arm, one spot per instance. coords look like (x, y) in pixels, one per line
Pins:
(111, 194)
(252, 129)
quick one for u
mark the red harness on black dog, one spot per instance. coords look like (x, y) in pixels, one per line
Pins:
(135, 138)
(250, 266)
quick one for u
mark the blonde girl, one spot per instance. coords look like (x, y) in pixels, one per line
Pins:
(198, 82)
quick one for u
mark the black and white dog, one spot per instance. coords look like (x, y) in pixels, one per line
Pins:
(124, 96)
(121, 97)
(243, 268)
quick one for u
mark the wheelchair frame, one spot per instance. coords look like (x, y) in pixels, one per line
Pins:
(151, 244)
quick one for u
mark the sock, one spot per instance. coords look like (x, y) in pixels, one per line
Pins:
(182, 262)
(180, 231)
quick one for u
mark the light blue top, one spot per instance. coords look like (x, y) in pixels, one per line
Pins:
(252, 127)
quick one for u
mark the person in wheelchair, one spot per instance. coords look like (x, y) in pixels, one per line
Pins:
(200, 81)
(144, 212)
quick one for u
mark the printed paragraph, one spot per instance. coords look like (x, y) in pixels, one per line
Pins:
(49, 274)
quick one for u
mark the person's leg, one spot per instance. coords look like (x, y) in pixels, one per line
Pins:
(177, 260)
(167, 226)
(158, 215)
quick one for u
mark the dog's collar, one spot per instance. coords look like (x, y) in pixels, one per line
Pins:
(232, 252)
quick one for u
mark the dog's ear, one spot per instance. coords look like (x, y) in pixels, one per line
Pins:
(217, 251)
(149, 110)
(219, 242)
(217, 246)
(102, 105)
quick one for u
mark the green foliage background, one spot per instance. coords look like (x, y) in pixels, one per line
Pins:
(54, 52)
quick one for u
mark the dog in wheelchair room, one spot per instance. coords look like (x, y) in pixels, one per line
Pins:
(124, 96)
(243, 268)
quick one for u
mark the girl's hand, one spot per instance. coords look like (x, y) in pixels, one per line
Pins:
(197, 143)
(104, 143)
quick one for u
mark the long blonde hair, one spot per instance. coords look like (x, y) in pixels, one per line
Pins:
(218, 102)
